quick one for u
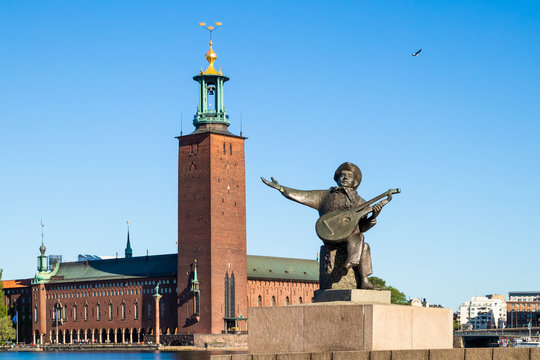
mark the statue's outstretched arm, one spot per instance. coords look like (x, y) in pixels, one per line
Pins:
(311, 198)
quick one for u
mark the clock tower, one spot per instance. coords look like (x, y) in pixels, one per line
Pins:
(212, 265)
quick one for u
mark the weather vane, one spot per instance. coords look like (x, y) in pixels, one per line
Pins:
(210, 28)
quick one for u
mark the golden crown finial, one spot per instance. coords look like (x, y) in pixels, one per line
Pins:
(211, 56)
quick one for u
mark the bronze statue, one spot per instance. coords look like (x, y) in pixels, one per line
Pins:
(344, 216)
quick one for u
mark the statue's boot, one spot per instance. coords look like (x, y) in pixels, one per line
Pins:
(367, 284)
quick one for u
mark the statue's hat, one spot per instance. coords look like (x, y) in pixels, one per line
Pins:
(351, 167)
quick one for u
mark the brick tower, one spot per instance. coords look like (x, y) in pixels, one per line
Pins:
(212, 265)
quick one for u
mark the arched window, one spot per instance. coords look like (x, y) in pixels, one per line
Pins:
(123, 311)
(36, 314)
(85, 312)
(136, 310)
(226, 284)
(98, 312)
(149, 311)
(110, 312)
(259, 300)
(232, 311)
(273, 300)
(287, 302)
(300, 300)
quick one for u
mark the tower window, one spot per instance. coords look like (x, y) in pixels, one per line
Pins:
(224, 149)
(230, 148)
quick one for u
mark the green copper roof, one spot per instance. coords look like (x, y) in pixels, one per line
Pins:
(121, 268)
(266, 267)
(258, 267)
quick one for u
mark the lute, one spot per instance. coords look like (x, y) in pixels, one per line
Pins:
(338, 225)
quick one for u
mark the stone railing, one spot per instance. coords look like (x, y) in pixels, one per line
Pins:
(443, 354)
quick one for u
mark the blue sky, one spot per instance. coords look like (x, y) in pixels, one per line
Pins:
(92, 94)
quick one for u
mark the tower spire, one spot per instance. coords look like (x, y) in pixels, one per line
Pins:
(128, 252)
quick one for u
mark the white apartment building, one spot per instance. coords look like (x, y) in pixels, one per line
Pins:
(483, 312)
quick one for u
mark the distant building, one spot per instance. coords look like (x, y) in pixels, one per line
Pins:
(523, 307)
(483, 312)
(53, 259)
(89, 257)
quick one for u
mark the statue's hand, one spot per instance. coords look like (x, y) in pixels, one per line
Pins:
(273, 184)
(376, 210)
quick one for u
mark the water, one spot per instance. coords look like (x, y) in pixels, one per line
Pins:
(79, 355)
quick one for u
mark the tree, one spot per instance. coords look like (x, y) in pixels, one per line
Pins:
(396, 297)
(3, 310)
(7, 332)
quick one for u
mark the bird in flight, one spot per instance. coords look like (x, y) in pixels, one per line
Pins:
(416, 53)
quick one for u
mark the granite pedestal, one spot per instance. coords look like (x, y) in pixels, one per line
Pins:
(345, 325)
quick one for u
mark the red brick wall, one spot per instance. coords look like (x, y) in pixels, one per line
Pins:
(280, 290)
(115, 292)
(193, 230)
(211, 221)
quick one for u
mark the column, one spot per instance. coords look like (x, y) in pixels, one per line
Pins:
(131, 336)
(157, 297)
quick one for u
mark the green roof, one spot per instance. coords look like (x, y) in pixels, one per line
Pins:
(266, 267)
(258, 267)
(121, 268)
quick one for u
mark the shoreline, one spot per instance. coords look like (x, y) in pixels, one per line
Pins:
(122, 348)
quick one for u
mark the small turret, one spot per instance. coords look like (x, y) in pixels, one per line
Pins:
(43, 274)
(43, 260)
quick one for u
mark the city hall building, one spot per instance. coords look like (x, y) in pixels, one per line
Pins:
(205, 288)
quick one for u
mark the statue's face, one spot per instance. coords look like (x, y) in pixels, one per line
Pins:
(346, 178)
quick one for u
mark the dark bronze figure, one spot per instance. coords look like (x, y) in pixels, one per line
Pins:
(344, 216)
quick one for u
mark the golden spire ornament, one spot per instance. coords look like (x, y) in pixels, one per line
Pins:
(211, 56)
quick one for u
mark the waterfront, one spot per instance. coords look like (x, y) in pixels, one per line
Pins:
(81, 355)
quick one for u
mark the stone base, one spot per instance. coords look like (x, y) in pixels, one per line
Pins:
(356, 296)
(343, 326)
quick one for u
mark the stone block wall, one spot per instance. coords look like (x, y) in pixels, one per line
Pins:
(439, 354)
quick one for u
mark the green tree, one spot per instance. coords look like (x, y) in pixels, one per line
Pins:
(396, 297)
(7, 332)
(3, 310)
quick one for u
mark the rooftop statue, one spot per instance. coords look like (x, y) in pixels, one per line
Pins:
(344, 218)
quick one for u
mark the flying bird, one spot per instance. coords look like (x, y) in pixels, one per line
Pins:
(416, 53)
